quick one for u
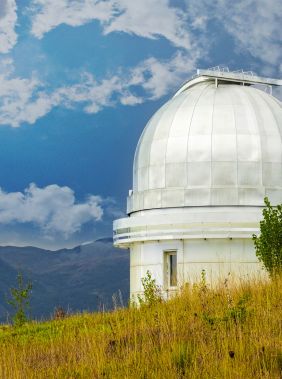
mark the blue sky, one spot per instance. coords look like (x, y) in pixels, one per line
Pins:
(79, 79)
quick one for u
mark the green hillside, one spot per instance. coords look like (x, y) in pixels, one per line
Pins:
(229, 332)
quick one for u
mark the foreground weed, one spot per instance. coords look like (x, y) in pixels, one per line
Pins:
(201, 333)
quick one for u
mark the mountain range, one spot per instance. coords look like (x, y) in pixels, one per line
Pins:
(86, 277)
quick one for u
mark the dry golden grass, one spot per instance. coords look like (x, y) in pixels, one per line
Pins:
(222, 333)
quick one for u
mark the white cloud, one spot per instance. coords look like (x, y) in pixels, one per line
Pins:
(158, 78)
(8, 20)
(148, 18)
(53, 209)
(21, 99)
(48, 14)
(15, 95)
(254, 24)
(151, 18)
(27, 99)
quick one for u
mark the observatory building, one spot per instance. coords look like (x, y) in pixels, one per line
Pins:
(202, 167)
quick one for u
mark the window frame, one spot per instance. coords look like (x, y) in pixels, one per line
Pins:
(168, 268)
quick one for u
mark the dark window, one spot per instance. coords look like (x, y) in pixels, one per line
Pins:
(172, 270)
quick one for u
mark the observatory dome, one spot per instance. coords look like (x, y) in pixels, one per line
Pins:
(202, 167)
(210, 146)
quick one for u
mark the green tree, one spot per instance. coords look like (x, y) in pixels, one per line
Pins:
(268, 244)
(20, 300)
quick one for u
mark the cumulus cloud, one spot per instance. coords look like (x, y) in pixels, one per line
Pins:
(151, 18)
(53, 209)
(259, 34)
(158, 78)
(148, 18)
(255, 25)
(17, 97)
(48, 14)
(8, 20)
(28, 99)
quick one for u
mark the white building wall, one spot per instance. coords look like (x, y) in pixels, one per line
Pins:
(149, 256)
(234, 259)
(221, 259)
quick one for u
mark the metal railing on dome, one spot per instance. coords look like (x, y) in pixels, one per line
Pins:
(248, 77)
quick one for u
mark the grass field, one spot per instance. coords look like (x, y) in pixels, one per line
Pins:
(222, 333)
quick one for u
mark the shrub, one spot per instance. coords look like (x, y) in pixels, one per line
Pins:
(152, 292)
(20, 299)
(268, 244)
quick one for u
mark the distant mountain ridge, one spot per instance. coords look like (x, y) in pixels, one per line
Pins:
(81, 278)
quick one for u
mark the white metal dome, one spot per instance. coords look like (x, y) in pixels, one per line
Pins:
(210, 145)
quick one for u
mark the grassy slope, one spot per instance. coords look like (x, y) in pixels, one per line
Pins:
(224, 333)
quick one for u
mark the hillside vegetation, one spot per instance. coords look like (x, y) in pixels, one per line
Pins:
(228, 332)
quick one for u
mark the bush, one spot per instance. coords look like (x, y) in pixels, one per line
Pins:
(268, 244)
(152, 292)
(20, 298)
